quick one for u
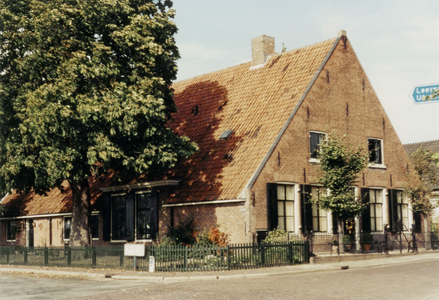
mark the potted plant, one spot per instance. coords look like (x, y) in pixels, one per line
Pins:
(367, 241)
(334, 245)
(347, 242)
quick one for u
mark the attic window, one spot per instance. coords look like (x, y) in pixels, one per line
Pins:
(226, 134)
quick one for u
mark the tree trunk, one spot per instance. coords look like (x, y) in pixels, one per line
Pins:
(340, 236)
(80, 233)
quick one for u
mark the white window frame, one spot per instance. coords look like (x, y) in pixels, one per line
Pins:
(315, 159)
(375, 165)
(400, 207)
(319, 211)
(293, 201)
(375, 210)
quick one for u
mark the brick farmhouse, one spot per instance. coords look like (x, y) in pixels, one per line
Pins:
(258, 126)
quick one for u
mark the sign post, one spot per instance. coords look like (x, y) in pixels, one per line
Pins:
(135, 250)
(420, 92)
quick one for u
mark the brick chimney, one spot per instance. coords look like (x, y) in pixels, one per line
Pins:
(262, 48)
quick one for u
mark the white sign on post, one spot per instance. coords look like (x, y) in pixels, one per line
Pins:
(151, 264)
(134, 250)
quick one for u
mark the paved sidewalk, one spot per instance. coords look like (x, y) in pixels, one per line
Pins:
(343, 262)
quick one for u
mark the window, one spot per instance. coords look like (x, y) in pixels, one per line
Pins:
(118, 217)
(132, 216)
(11, 230)
(285, 207)
(375, 151)
(94, 226)
(402, 209)
(376, 210)
(67, 227)
(315, 140)
(319, 215)
(143, 214)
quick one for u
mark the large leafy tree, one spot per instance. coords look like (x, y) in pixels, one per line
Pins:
(85, 89)
(422, 181)
(340, 167)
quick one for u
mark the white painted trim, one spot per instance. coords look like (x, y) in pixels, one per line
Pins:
(377, 166)
(37, 216)
(2, 199)
(140, 185)
(203, 203)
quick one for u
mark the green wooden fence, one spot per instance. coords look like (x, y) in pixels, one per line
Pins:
(167, 258)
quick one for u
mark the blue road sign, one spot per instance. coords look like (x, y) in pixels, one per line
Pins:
(420, 92)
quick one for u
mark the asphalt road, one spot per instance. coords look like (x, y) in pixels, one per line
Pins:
(418, 280)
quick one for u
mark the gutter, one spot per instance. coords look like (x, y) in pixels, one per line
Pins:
(204, 203)
(150, 184)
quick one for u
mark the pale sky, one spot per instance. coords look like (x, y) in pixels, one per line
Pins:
(396, 41)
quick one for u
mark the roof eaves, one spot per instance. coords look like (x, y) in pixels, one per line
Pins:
(3, 199)
(290, 118)
(150, 184)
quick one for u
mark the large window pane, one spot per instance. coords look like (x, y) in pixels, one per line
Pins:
(94, 226)
(319, 214)
(143, 203)
(285, 207)
(118, 218)
(281, 192)
(289, 192)
(67, 227)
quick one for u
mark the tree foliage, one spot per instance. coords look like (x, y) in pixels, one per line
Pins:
(85, 89)
(420, 184)
(340, 167)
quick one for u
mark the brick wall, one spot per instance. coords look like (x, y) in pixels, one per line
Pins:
(229, 217)
(342, 99)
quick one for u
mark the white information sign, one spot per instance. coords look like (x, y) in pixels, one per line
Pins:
(134, 250)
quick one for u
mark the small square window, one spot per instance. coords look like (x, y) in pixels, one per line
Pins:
(315, 141)
(375, 151)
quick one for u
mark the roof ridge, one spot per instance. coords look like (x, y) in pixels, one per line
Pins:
(420, 142)
(249, 62)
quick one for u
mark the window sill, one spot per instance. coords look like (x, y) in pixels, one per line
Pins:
(314, 160)
(377, 166)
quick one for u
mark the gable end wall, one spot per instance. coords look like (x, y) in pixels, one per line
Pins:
(337, 101)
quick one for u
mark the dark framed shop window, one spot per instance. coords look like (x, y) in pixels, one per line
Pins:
(315, 141)
(118, 217)
(143, 216)
(375, 151)
(130, 216)
(94, 226)
(11, 230)
(67, 227)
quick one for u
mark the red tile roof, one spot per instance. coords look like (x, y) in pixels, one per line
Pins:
(254, 103)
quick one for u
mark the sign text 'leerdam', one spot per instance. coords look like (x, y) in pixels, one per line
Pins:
(420, 93)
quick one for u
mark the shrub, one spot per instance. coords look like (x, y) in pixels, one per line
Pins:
(212, 237)
(183, 233)
(276, 235)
